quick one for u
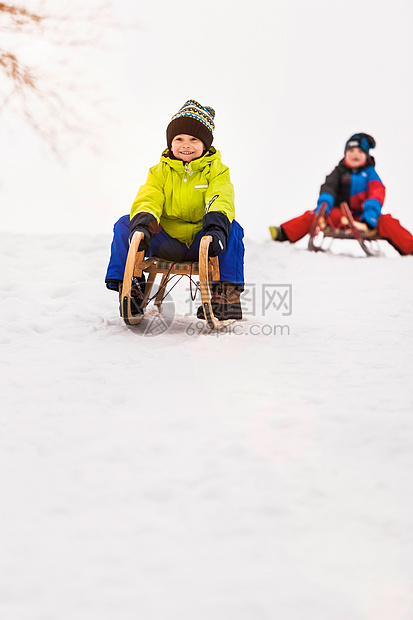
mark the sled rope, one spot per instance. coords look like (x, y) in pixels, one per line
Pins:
(180, 276)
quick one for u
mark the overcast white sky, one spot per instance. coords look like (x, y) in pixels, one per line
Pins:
(290, 81)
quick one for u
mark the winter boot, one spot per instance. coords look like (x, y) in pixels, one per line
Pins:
(137, 296)
(278, 234)
(225, 301)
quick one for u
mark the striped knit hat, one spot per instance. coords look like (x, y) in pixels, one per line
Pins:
(192, 119)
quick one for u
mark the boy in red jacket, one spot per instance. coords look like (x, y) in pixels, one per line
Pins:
(356, 182)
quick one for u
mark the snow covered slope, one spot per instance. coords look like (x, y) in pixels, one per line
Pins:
(257, 474)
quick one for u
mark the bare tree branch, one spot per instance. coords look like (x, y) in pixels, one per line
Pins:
(46, 102)
(20, 15)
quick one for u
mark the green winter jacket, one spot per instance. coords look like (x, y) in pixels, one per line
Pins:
(176, 193)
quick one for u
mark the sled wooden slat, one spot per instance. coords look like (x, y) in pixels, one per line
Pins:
(204, 273)
(125, 301)
(337, 233)
(154, 265)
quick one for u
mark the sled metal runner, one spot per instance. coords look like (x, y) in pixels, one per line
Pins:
(207, 268)
(322, 228)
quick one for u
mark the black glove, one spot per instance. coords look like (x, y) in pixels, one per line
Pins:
(218, 226)
(146, 223)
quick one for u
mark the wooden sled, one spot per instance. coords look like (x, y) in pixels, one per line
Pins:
(207, 269)
(322, 228)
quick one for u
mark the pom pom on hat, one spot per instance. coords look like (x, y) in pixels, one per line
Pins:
(192, 119)
(362, 141)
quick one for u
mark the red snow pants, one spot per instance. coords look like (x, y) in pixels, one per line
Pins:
(388, 227)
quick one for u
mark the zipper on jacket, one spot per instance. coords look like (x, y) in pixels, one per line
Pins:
(186, 170)
(210, 203)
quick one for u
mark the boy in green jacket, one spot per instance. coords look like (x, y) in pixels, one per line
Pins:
(187, 195)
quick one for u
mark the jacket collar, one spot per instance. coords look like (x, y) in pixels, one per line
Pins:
(196, 164)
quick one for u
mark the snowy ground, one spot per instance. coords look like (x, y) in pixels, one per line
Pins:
(259, 474)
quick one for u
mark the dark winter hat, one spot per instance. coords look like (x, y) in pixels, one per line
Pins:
(362, 141)
(192, 119)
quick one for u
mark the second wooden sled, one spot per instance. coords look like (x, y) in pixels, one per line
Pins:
(322, 228)
(207, 268)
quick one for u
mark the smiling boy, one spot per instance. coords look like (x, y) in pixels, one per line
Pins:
(354, 181)
(187, 195)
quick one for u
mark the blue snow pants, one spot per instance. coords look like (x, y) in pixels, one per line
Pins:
(231, 262)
